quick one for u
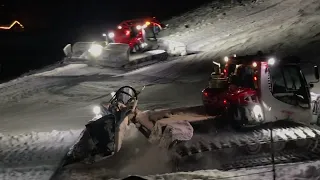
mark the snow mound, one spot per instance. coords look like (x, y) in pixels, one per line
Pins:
(173, 48)
(33, 155)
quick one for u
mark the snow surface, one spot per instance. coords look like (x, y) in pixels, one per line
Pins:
(274, 25)
(37, 111)
(33, 155)
(283, 172)
(173, 48)
(60, 71)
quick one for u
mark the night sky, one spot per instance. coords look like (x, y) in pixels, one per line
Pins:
(50, 25)
(73, 13)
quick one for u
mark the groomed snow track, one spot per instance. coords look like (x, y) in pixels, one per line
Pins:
(290, 143)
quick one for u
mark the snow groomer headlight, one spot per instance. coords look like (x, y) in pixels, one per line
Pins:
(257, 112)
(226, 59)
(95, 50)
(111, 35)
(97, 111)
(271, 61)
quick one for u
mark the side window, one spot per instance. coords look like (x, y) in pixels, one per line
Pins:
(287, 85)
(277, 80)
(285, 79)
(292, 79)
(231, 68)
(133, 32)
(245, 77)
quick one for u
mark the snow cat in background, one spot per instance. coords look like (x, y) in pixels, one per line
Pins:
(131, 40)
(139, 34)
(275, 99)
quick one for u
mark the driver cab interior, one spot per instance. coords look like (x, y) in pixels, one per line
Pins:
(241, 76)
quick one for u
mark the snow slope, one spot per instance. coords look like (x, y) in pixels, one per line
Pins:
(274, 25)
(37, 111)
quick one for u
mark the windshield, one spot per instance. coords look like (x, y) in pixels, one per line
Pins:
(243, 76)
(289, 85)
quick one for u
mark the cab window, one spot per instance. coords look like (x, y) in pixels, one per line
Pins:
(288, 85)
(243, 77)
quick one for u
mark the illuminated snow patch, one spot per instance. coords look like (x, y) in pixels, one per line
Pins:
(62, 70)
(33, 155)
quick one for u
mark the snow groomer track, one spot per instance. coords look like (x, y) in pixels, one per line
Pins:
(250, 148)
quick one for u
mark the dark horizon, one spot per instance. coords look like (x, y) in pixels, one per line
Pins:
(50, 25)
(36, 14)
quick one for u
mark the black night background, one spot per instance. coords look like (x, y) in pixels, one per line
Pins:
(50, 25)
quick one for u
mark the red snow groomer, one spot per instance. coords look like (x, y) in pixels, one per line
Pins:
(254, 89)
(139, 34)
(116, 50)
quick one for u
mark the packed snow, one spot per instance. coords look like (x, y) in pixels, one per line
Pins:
(60, 71)
(283, 172)
(38, 110)
(173, 48)
(33, 155)
(276, 25)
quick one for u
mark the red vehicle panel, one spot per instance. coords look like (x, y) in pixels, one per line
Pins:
(135, 32)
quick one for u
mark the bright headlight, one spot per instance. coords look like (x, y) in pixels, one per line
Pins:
(111, 35)
(139, 27)
(96, 110)
(257, 112)
(271, 61)
(143, 45)
(95, 50)
(226, 59)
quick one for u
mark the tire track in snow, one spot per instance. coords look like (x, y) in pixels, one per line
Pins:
(178, 70)
(23, 89)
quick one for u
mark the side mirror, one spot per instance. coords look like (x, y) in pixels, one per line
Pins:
(316, 72)
(311, 85)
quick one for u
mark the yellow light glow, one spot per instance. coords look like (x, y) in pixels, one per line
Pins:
(12, 24)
